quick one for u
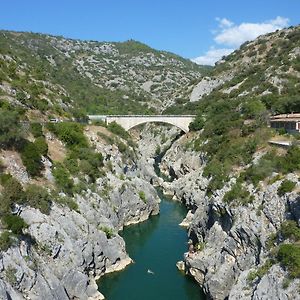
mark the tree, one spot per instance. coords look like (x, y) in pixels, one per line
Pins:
(197, 124)
(10, 132)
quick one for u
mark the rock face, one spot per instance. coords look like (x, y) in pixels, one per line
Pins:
(63, 253)
(233, 241)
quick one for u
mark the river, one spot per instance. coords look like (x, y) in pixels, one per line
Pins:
(155, 245)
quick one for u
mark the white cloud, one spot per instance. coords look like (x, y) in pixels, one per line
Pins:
(234, 35)
(211, 56)
(223, 23)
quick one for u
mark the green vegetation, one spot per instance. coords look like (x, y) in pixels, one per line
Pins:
(118, 130)
(238, 194)
(81, 157)
(260, 272)
(38, 197)
(270, 163)
(12, 193)
(197, 124)
(142, 196)
(63, 179)
(41, 145)
(31, 157)
(5, 240)
(290, 230)
(289, 256)
(286, 187)
(10, 129)
(66, 201)
(36, 129)
(14, 223)
(108, 231)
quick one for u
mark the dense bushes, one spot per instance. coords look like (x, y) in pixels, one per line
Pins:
(31, 157)
(81, 158)
(70, 133)
(5, 240)
(12, 193)
(118, 130)
(197, 124)
(238, 194)
(62, 178)
(270, 163)
(14, 223)
(10, 129)
(289, 256)
(290, 230)
(38, 197)
(36, 129)
(286, 187)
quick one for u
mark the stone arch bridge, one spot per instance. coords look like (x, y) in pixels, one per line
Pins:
(130, 121)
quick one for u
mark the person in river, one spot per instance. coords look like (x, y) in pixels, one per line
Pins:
(150, 272)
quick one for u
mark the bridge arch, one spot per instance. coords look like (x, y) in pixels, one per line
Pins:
(130, 121)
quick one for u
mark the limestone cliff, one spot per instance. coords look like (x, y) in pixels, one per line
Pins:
(233, 242)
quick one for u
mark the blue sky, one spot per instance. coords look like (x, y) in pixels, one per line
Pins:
(190, 28)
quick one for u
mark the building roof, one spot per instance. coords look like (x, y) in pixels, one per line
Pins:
(295, 117)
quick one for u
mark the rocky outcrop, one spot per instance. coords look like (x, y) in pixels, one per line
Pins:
(232, 240)
(61, 255)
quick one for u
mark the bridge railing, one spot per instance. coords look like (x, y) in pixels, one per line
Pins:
(143, 116)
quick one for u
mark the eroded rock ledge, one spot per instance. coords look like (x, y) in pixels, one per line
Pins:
(63, 254)
(233, 241)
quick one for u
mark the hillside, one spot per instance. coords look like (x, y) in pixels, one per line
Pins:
(57, 75)
(266, 69)
(67, 189)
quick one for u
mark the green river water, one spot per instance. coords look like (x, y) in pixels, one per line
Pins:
(156, 244)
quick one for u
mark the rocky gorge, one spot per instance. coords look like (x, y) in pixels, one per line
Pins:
(62, 254)
(233, 242)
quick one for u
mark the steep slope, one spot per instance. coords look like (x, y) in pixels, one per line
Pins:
(242, 191)
(56, 74)
(266, 69)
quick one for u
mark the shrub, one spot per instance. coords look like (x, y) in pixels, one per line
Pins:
(286, 187)
(108, 231)
(197, 124)
(70, 133)
(14, 223)
(11, 194)
(36, 129)
(118, 130)
(290, 229)
(31, 158)
(142, 196)
(38, 197)
(238, 193)
(5, 241)
(10, 130)
(260, 272)
(72, 165)
(62, 178)
(260, 171)
(121, 146)
(67, 201)
(289, 256)
(41, 145)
